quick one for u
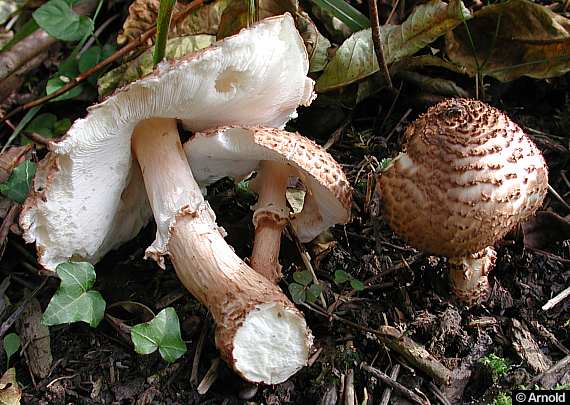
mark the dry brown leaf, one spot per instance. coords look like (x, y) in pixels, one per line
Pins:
(513, 39)
(36, 339)
(143, 14)
(235, 16)
(10, 392)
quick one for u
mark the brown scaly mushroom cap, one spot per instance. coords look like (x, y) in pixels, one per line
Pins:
(466, 177)
(123, 164)
(276, 156)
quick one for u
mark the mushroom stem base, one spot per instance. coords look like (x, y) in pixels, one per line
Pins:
(468, 275)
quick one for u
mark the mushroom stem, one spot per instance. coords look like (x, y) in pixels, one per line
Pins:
(259, 331)
(269, 219)
(468, 275)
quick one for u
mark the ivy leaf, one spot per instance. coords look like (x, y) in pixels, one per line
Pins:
(16, 188)
(74, 300)
(302, 277)
(313, 292)
(341, 276)
(297, 292)
(162, 333)
(58, 19)
(11, 345)
(356, 284)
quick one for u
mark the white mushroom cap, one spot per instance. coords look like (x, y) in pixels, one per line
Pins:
(236, 152)
(88, 195)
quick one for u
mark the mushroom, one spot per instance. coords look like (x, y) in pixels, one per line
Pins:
(276, 156)
(466, 177)
(90, 197)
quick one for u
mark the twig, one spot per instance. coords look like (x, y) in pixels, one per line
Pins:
(394, 384)
(96, 34)
(7, 324)
(34, 44)
(377, 40)
(438, 394)
(210, 377)
(85, 75)
(387, 393)
(564, 363)
(198, 353)
(349, 388)
(6, 224)
(32, 136)
(557, 299)
(555, 194)
(399, 122)
(413, 352)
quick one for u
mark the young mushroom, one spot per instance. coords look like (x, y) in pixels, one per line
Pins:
(466, 177)
(276, 156)
(90, 195)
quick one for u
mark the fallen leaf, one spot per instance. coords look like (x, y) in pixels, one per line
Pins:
(512, 39)
(236, 15)
(527, 348)
(142, 16)
(317, 45)
(35, 336)
(10, 392)
(434, 85)
(141, 66)
(355, 59)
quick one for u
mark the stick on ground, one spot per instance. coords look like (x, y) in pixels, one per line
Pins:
(394, 384)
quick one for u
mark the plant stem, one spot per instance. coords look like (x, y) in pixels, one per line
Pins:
(377, 40)
(162, 29)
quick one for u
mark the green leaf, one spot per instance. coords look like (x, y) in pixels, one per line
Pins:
(42, 124)
(89, 58)
(355, 59)
(142, 65)
(356, 284)
(340, 9)
(11, 346)
(303, 277)
(58, 19)
(341, 276)
(162, 333)
(313, 292)
(47, 126)
(16, 188)
(74, 300)
(55, 83)
(297, 292)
